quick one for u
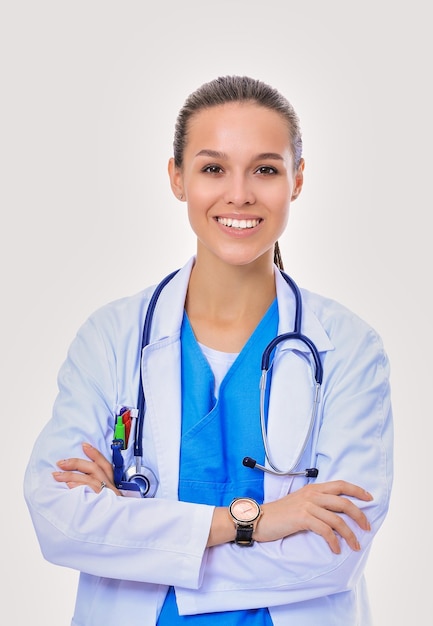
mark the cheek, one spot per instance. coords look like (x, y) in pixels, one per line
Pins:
(201, 197)
(275, 193)
(282, 216)
(281, 201)
(201, 190)
(196, 214)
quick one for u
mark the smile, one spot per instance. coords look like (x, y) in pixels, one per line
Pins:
(242, 224)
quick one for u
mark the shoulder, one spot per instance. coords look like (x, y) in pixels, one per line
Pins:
(116, 322)
(329, 311)
(345, 329)
(170, 295)
(123, 307)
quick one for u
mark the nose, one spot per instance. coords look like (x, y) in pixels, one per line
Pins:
(239, 191)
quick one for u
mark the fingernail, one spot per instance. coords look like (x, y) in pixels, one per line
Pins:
(87, 445)
(62, 462)
(54, 474)
(357, 546)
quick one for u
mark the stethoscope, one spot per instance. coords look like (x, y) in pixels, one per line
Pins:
(142, 480)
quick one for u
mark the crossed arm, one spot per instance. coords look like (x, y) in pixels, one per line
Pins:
(317, 507)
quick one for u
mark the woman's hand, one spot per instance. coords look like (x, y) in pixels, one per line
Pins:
(317, 508)
(96, 473)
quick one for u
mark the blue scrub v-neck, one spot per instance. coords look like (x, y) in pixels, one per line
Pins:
(216, 434)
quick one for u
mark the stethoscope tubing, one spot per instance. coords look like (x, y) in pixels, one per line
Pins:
(296, 334)
(273, 468)
(147, 327)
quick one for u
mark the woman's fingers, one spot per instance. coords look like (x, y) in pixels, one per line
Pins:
(325, 530)
(98, 458)
(317, 507)
(96, 473)
(343, 505)
(331, 526)
(340, 487)
(76, 479)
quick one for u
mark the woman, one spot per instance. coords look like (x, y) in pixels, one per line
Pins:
(295, 551)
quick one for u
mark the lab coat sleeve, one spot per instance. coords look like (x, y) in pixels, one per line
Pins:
(100, 533)
(354, 443)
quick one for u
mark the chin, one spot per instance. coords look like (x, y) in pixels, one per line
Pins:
(236, 256)
(242, 259)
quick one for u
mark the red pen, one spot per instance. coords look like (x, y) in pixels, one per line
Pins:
(126, 419)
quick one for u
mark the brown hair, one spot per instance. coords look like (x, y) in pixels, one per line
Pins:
(236, 89)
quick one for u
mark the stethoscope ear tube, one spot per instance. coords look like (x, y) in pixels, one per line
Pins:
(138, 439)
(266, 357)
(273, 469)
(311, 472)
(296, 334)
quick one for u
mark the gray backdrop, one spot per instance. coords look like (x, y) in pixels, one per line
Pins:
(90, 91)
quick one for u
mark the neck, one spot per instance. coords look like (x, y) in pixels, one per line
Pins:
(226, 302)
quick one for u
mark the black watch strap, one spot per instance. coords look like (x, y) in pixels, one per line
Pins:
(244, 535)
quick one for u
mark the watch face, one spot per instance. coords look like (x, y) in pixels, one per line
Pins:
(245, 510)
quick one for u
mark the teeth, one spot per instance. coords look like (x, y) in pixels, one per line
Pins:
(227, 221)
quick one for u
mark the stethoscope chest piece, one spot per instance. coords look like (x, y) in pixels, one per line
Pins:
(144, 478)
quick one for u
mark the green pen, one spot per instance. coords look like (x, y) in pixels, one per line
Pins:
(119, 430)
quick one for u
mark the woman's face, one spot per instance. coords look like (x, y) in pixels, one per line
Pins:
(238, 180)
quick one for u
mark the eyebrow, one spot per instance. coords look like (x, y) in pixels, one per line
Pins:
(212, 153)
(221, 155)
(270, 155)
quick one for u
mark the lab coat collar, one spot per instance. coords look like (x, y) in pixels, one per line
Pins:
(167, 318)
(310, 325)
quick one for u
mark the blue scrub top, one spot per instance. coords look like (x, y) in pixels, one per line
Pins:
(216, 435)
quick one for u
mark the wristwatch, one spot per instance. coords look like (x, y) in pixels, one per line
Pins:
(244, 512)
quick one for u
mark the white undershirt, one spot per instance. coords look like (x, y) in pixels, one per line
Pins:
(219, 362)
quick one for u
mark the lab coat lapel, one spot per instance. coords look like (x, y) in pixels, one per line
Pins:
(292, 390)
(162, 384)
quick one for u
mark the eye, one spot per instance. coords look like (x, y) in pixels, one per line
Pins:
(266, 170)
(212, 169)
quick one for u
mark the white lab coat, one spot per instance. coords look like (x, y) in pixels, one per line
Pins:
(129, 549)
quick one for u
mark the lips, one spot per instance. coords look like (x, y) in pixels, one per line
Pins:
(239, 224)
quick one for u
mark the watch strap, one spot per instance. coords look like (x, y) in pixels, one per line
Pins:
(244, 534)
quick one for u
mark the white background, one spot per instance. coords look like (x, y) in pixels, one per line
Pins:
(89, 95)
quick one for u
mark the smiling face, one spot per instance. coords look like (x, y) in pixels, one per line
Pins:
(238, 179)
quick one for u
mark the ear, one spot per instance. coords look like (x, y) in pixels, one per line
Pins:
(176, 181)
(299, 180)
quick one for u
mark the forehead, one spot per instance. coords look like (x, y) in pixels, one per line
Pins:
(233, 123)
